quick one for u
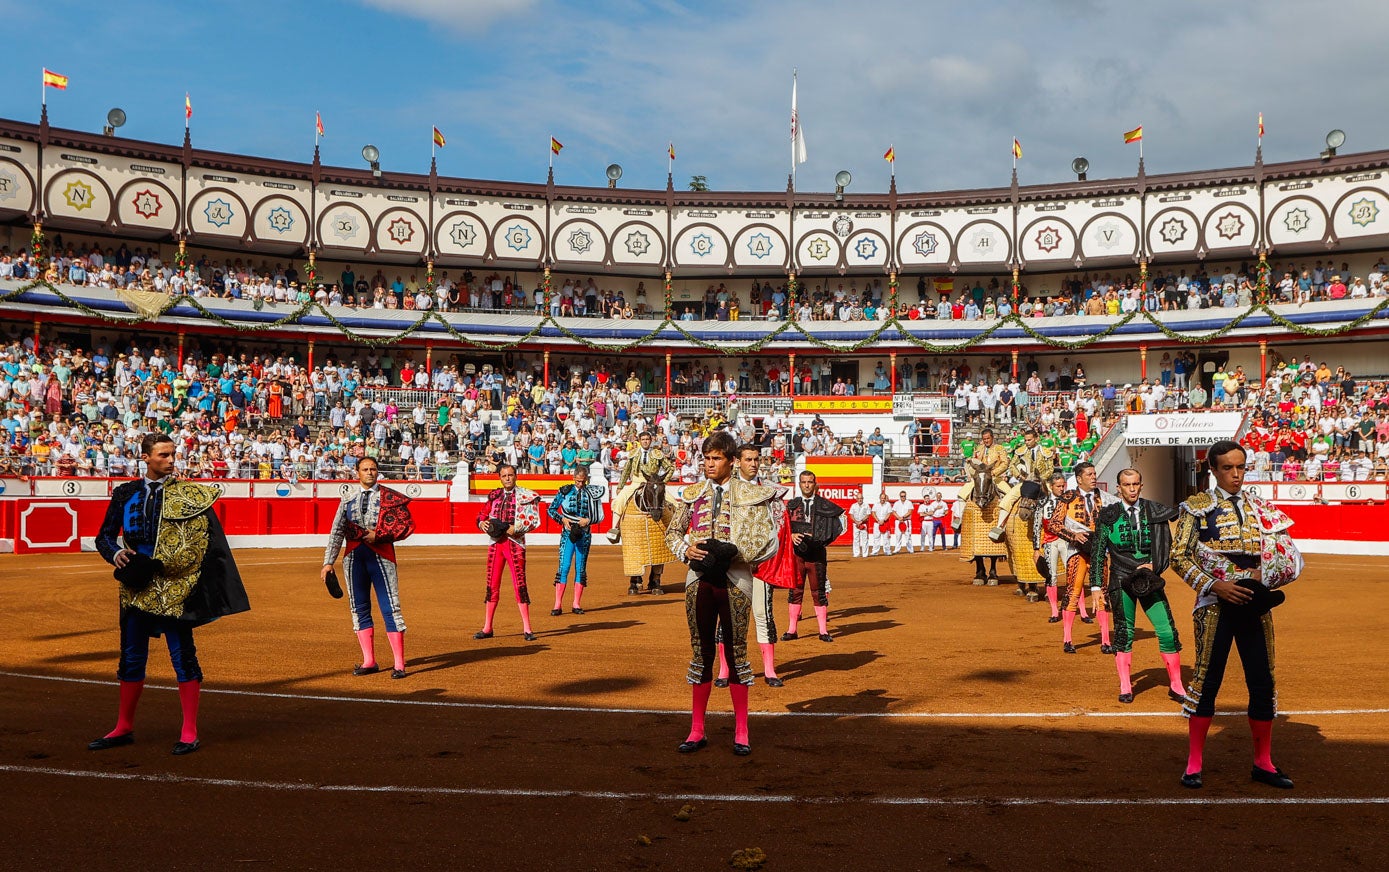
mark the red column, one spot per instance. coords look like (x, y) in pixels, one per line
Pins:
(1143, 361)
(1263, 361)
(667, 403)
(793, 373)
(36, 336)
(1015, 364)
(546, 372)
(310, 363)
(892, 375)
(180, 349)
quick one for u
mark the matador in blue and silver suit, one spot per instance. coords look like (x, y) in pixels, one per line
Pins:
(576, 507)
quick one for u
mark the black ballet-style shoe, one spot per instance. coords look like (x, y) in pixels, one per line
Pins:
(482, 634)
(397, 673)
(1054, 619)
(688, 747)
(366, 670)
(774, 681)
(181, 748)
(529, 637)
(576, 611)
(1126, 698)
(721, 682)
(1276, 778)
(106, 742)
(1106, 649)
(826, 637)
(555, 613)
(1174, 696)
(789, 637)
(1087, 620)
(741, 750)
(1192, 780)
(1068, 648)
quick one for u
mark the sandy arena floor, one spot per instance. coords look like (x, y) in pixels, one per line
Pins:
(943, 728)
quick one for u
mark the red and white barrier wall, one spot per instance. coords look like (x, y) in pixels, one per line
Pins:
(54, 515)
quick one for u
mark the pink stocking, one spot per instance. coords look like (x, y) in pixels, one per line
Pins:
(559, 596)
(1123, 661)
(1067, 620)
(698, 706)
(1263, 744)
(525, 616)
(125, 715)
(1173, 662)
(578, 595)
(491, 613)
(188, 699)
(739, 692)
(1196, 730)
(768, 660)
(397, 641)
(822, 614)
(1052, 598)
(723, 660)
(793, 617)
(1104, 627)
(366, 639)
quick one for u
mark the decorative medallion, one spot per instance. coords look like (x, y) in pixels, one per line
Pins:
(702, 245)
(1230, 225)
(843, 226)
(79, 195)
(581, 241)
(345, 226)
(759, 245)
(280, 219)
(218, 212)
(147, 204)
(925, 243)
(1110, 235)
(518, 237)
(463, 233)
(401, 231)
(1173, 231)
(983, 241)
(866, 248)
(1296, 220)
(1363, 212)
(1048, 239)
(638, 243)
(9, 184)
(819, 248)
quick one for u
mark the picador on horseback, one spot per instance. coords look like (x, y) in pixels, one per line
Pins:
(641, 513)
(988, 470)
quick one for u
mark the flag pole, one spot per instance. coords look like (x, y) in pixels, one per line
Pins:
(43, 88)
(433, 142)
(316, 118)
(795, 127)
(1014, 150)
(551, 150)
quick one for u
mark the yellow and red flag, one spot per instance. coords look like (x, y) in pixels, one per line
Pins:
(555, 145)
(672, 151)
(1261, 125)
(891, 154)
(1134, 135)
(1017, 148)
(318, 124)
(54, 80)
(438, 138)
(187, 106)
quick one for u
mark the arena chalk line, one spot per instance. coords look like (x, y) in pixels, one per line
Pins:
(764, 799)
(563, 709)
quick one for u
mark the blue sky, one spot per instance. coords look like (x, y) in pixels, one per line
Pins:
(947, 84)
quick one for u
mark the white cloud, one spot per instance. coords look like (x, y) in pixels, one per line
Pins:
(462, 16)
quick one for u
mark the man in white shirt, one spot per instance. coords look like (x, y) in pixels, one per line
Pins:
(881, 539)
(902, 531)
(935, 513)
(859, 513)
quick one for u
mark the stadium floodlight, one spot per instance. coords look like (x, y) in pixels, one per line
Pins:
(115, 118)
(1334, 140)
(1080, 166)
(841, 181)
(614, 173)
(372, 155)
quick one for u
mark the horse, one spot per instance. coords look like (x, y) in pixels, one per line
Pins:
(985, 491)
(650, 498)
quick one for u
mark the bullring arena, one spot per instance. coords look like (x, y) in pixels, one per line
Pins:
(282, 321)
(942, 729)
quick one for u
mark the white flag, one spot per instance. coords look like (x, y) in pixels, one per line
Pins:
(797, 132)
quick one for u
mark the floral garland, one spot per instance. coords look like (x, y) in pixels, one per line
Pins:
(668, 303)
(300, 312)
(892, 285)
(1262, 288)
(793, 288)
(36, 246)
(310, 274)
(549, 289)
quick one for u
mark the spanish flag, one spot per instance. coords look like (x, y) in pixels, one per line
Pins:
(555, 145)
(187, 106)
(1261, 125)
(318, 123)
(1017, 149)
(53, 80)
(890, 155)
(1134, 135)
(672, 151)
(438, 138)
